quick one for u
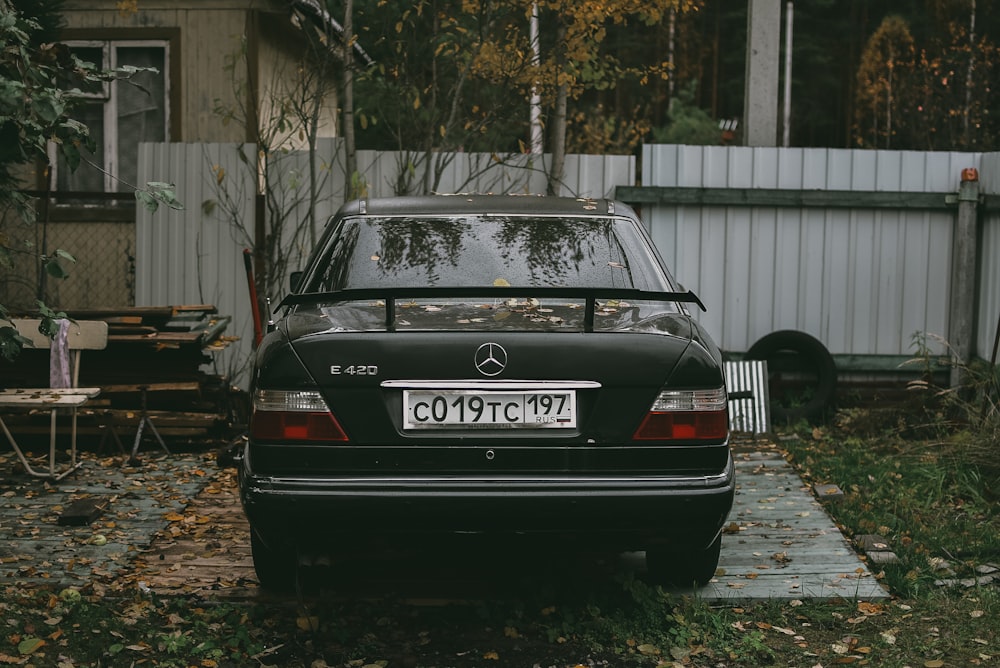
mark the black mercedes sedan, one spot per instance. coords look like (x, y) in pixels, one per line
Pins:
(507, 365)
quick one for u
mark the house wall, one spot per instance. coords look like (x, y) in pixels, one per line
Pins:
(282, 77)
(206, 36)
(214, 46)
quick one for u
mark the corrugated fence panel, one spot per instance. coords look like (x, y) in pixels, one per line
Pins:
(585, 175)
(863, 281)
(291, 198)
(195, 256)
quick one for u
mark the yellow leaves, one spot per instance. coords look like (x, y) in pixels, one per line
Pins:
(127, 7)
(870, 609)
(648, 649)
(307, 623)
(491, 656)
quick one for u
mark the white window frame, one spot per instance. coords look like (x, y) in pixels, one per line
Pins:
(109, 50)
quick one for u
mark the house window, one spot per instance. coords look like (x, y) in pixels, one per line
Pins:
(119, 115)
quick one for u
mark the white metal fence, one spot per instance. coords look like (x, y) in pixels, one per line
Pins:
(863, 281)
(195, 256)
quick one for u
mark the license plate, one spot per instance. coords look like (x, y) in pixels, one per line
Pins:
(471, 409)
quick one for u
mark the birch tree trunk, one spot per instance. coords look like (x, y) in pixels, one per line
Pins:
(350, 149)
(557, 124)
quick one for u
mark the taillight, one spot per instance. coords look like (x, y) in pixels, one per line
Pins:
(686, 415)
(281, 415)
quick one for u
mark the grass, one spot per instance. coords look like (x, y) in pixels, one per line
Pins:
(911, 473)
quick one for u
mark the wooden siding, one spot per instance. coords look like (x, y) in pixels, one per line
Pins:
(209, 34)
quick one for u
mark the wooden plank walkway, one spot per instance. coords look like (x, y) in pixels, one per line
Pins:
(174, 526)
(781, 542)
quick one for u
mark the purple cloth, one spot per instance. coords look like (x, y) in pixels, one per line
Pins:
(59, 371)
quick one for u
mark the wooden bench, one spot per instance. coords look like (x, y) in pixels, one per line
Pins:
(81, 335)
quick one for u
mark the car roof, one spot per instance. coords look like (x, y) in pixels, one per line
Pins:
(489, 204)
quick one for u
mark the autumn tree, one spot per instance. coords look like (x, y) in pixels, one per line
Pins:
(573, 59)
(884, 83)
(931, 90)
(422, 97)
(458, 76)
(957, 74)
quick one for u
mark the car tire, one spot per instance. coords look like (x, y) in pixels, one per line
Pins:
(799, 360)
(668, 567)
(275, 568)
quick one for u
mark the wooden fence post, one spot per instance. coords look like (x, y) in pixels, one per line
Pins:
(961, 321)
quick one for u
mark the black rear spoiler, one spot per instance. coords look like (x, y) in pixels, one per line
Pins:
(391, 295)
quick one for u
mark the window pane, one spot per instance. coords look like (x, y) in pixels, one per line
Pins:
(87, 177)
(95, 55)
(141, 108)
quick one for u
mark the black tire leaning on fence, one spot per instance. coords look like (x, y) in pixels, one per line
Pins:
(794, 354)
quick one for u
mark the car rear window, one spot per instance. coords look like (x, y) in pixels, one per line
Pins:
(471, 251)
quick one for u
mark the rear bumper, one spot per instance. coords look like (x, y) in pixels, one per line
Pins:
(686, 512)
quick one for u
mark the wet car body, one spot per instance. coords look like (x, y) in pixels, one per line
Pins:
(498, 365)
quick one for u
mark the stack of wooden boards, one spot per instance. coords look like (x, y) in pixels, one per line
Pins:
(158, 355)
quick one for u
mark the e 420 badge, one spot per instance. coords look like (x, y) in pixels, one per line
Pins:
(354, 370)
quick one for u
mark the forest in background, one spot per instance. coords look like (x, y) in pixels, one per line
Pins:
(893, 74)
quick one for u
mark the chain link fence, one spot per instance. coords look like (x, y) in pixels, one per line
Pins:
(103, 275)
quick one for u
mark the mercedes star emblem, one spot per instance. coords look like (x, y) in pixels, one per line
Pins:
(491, 359)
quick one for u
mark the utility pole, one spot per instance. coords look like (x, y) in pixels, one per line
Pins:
(760, 98)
